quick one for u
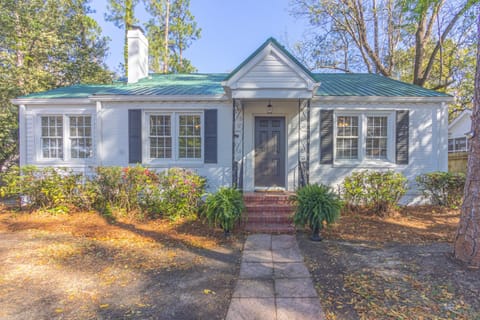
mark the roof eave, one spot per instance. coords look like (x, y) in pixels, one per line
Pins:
(50, 101)
(396, 99)
(119, 98)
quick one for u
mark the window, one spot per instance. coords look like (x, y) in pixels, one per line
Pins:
(347, 137)
(160, 136)
(457, 144)
(364, 136)
(52, 137)
(185, 144)
(189, 137)
(376, 147)
(66, 137)
(80, 137)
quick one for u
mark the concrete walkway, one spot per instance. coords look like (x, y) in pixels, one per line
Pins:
(274, 283)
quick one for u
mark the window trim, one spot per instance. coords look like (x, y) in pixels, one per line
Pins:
(454, 145)
(66, 148)
(362, 159)
(175, 130)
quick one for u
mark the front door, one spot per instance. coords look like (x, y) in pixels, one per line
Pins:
(269, 152)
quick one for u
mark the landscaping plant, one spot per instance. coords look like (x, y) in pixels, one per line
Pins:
(442, 188)
(224, 208)
(53, 189)
(315, 205)
(379, 191)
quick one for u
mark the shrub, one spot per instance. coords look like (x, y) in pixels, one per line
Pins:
(379, 191)
(224, 208)
(316, 205)
(180, 193)
(442, 188)
(56, 190)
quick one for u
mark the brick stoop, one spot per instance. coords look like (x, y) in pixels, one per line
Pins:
(267, 212)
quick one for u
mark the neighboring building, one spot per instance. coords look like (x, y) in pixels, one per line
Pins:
(269, 125)
(458, 142)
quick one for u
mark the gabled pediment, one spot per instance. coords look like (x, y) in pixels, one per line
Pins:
(271, 72)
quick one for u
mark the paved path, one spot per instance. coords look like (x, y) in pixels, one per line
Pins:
(274, 283)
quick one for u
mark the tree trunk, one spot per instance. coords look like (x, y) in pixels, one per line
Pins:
(467, 239)
(167, 25)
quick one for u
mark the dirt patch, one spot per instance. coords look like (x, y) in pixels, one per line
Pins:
(80, 266)
(422, 224)
(395, 268)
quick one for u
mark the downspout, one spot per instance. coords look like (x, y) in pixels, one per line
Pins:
(234, 163)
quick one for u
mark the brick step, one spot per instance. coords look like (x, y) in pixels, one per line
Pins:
(269, 228)
(269, 208)
(260, 197)
(268, 201)
(268, 219)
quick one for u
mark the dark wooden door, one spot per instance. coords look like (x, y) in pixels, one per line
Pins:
(269, 152)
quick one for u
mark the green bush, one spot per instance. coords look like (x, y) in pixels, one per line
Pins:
(379, 191)
(134, 190)
(442, 188)
(224, 208)
(119, 189)
(316, 205)
(180, 193)
(55, 190)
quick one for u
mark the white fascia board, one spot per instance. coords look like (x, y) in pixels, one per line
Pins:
(384, 99)
(66, 101)
(141, 98)
(271, 94)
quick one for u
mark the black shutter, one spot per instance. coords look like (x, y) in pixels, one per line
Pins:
(210, 132)
(401, 139)
(134, 136)
(326, 136)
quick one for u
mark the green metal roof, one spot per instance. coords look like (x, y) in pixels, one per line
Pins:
(368, 85)
(331, 84)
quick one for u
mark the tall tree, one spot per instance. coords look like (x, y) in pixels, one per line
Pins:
(467, 239)
(371, 32)
(122, 14)
(44, 44)
(170, 32)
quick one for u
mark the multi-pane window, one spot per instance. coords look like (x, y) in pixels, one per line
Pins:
(347, 137)
(189, 137)
(52, 137)
(160, 136)
(174, 136)
(66, 137)
(457, 144)
(376, 141)
(80, 137)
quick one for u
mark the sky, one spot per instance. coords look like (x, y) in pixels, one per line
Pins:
(231, 31)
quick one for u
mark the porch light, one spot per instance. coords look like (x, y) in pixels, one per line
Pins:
(269, 107)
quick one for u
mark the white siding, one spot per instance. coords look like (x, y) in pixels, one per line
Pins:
(271, 72)
(427, 144)
(115, 137)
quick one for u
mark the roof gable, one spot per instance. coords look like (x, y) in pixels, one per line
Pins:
(271, 67)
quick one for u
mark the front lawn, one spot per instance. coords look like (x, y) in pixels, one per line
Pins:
(79, 266)
(392, 268)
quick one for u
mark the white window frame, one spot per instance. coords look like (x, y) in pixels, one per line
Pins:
(67, 156)
(455, 145)
(362, 159)
(175, 130)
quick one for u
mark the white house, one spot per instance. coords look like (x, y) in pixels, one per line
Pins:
(270, 124)
(458, 130)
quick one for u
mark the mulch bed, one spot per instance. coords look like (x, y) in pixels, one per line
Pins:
(400, 267)
(80, 266)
